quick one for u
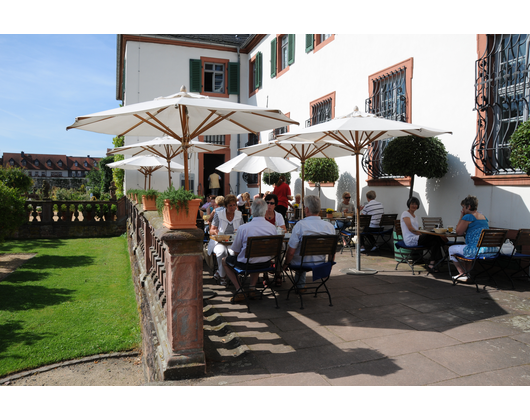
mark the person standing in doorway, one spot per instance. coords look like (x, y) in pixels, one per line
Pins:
(214, 183)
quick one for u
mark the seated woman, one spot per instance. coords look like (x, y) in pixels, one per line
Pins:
(296, 210)
(345, 206)
(243, 205)
(225, 222)
(219, 203)
(275, 218)
(412, 236)
(471, 223)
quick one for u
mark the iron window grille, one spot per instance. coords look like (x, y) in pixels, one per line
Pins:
(276, 132)
(320, 112)
(219, 139)
(251, 178)
(502, 95)
(389, 100)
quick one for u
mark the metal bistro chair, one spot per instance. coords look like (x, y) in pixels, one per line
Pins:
(349, 233)
(314, 245)
(429, 223)
(521, 240)
(403, 253)
(488, 238)
(259, 246)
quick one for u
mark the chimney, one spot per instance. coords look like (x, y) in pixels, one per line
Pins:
(22, 153)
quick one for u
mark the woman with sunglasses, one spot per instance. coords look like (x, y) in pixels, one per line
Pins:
(275, 218)
(345, 206)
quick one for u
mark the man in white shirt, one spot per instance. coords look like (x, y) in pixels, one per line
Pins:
(376, 210)
(258, 226)
(311, 224)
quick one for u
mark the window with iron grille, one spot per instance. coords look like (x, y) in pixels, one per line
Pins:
(388, 100)
(502, 96)
(251, 178)
(320, 112)
(277, 131)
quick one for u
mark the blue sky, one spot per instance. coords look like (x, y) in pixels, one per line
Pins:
(48, 80)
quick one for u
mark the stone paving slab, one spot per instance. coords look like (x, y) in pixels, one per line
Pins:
(514, 376)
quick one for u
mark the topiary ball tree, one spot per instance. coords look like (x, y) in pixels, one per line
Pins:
(273, 177)
(320, 170)
(415, 156)
(520, 145)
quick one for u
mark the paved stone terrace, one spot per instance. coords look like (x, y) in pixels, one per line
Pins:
(391, 328)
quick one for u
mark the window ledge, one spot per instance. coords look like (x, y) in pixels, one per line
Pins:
(389, 182)
(502, 180)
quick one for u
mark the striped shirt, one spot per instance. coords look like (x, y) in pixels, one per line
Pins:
(374, 209)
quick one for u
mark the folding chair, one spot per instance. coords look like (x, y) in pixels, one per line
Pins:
(386, 221)
(313, 245)
(349, 234)
(521, 240)
(488, 238)
(259, 246)
(404, 253)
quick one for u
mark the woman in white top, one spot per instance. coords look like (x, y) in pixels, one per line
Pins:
(412, 236)
(225, 222)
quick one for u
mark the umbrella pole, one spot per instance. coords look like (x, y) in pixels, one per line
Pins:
(358, 270)
(186, 177)
(169, 171)
(145, 181)
(302, 197)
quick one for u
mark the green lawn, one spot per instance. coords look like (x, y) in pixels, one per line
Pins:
(75, 298)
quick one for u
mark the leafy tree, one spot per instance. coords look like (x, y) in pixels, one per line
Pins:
(273, 177)
(12, 210)
(16, 178)
(415, 156)
(520, 145)
(118, 174)
(320, 170)
(106, 176)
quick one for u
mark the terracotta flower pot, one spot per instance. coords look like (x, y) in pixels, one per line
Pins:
(181, 219)
(149, 203)
(329, 215)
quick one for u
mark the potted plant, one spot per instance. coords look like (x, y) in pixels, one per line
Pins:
(113, 211)
(149, 200)
(105, 212)
(329, 213)
(321, 172)
(179, 208)
(65, 213)
(88, 214)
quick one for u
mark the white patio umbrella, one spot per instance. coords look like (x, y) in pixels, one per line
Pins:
(183, 116)
(166, 148)
(257, 165)
(299, 149)
(146, 165)
(355, 131)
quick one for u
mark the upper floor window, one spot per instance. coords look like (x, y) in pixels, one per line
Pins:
(23, 162)
(322, 110)
(502, 95)
(282, 54)
(255, 74)
(219, 139)
(214, 77)
(85, 164)
(60, 163)
(76, 163)
(314, 42)
(12, 162)
(49, 162)
(389, 98)
(252, 139)
(36, 162)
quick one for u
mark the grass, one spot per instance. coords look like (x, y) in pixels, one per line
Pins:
(75, 298)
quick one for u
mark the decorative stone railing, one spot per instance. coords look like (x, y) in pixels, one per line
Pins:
(167, 265)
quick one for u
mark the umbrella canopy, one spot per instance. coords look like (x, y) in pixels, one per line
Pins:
(355, 132)
(257, 164)
(183, 116)
(146, 165)
(300, 149)
(166, 148)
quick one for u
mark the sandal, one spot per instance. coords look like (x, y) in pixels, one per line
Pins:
(217, 277)
(278, 280)
(223, 281)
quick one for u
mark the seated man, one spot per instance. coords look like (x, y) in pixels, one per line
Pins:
(312, 224)
(258, 226)
(376, 210)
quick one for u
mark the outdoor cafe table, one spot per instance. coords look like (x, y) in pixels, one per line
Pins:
(445, 234)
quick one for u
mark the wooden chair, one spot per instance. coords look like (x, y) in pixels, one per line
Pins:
(411, 255)
(429, 223)
(488, 238)
(387, 221)
(313, 245)
(523, 260)
(259, 246)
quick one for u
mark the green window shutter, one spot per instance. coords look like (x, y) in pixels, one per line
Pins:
(195, 75)
(233, 78)
(258, 66)
(290, 51)
(273, 57)
(309, 42)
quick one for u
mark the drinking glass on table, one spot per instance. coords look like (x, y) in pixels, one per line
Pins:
(450, 229)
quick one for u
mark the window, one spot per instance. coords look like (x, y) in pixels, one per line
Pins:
(23, 162)
(76, 164)
(321, 110)
(281, 130)
(219, 139)
(214, 77)
(49, 162)
(36, 162)
(282, 54)
(85, 164)
(43, 173)
(314, 42)
(389, 98)
(502, 95)
(60, 163)
(94, 164)
(12, 162)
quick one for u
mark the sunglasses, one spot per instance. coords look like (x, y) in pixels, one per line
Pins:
(271, 203)
(347, 198)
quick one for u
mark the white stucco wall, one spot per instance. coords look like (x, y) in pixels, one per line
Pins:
(442, 97)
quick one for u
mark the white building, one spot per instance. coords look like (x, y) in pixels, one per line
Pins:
(439, 81)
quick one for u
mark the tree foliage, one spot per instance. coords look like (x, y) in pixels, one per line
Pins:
(118, 174)
(520, 145)
(415, 156)
(273, 177)
(100, 179)
(11, 209)
(16, 178)
(320, 170)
